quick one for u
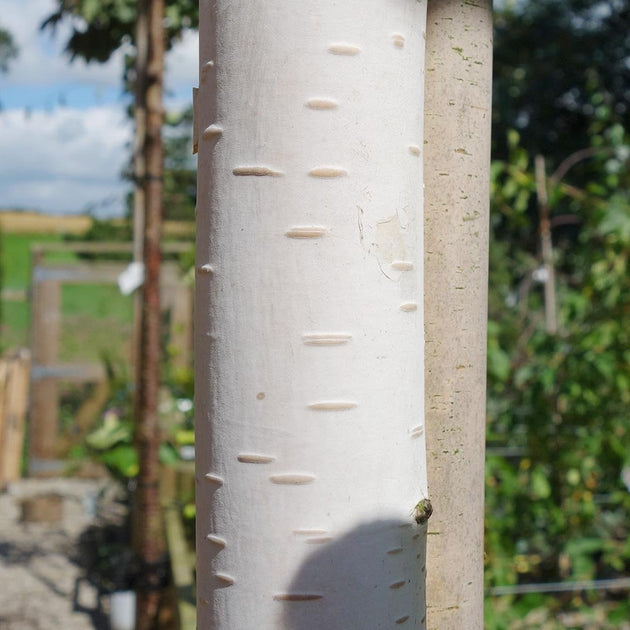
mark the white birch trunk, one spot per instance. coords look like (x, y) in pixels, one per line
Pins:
(457, 173)
(309, 315)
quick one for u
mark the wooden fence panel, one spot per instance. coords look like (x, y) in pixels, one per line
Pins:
(46, 280)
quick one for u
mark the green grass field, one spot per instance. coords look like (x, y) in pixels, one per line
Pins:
(15, 260)
(96, 318)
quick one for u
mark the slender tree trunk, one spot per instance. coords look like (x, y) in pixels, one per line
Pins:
(309, 401)
(149, 536)
(139, 171)
(456, 160)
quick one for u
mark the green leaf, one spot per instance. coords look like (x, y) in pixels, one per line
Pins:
(167, 454)
(90, 9)
(498, 363)
(123, 460)
(540, 487)
(616, 221)
(111, 432)
(513, 138)
(185, 437)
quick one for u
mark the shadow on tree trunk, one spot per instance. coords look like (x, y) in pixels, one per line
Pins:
(372, 577)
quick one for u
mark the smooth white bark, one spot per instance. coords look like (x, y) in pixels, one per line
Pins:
(457, 165)
(309, 315)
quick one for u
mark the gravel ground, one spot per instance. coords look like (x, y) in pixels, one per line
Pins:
(41, 585)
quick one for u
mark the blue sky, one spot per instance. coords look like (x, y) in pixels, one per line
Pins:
(64, 133)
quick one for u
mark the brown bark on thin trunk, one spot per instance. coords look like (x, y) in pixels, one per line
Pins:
(149, 538)
(139, 172)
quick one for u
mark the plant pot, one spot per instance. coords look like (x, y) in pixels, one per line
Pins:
(122, 610)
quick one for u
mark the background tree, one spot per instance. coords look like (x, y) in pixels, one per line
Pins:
(180, 172)
(560, 67)
(149, 528)
(558, 432)
(100, 27)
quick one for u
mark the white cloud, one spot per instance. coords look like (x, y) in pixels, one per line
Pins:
(64, 160)
(41, 60)
(43, 63)
(182, 65)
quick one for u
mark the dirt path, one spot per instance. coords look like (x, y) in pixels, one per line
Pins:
(40, 585)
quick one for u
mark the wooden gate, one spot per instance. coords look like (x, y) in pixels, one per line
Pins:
(47, 371)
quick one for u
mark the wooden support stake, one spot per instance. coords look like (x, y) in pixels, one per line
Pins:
(44, 410)
(14, 376)
(181, 569)
(458, 90)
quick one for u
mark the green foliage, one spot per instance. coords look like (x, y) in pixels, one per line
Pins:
(116, 231)
(108, 231)
(15, 264)
(8, 50)
(109, 434)
(559, 67)
(15, 255)
(180, 176)
(112, 442)
(100, 27)
(558, 512)
(545, 612)
(557, 508)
